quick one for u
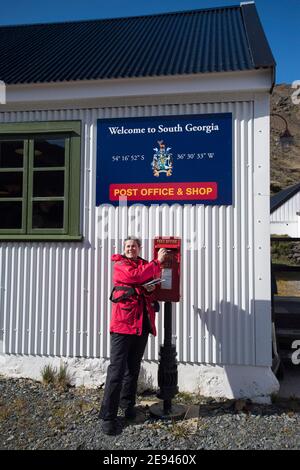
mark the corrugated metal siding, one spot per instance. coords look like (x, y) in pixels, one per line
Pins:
(287, 228)
(198, 41)
(282, 196)
(54, 295)
(287, 212)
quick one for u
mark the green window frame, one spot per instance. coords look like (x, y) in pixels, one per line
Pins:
(65, 178)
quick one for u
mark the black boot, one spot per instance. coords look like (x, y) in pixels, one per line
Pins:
(130, 412)
(110, 427)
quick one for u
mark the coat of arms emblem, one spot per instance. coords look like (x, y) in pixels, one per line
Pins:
(162, 160)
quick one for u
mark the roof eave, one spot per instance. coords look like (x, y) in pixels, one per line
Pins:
(214, 84)
(258, 44)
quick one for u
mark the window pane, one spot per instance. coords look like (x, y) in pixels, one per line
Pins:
(48, 183)
(11, 184)
(49, 152)
(48, 214)
(10, 214)
(11, 154)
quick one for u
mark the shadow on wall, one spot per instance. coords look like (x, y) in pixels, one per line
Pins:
(230, 335)
(1, 343)
(236, 345)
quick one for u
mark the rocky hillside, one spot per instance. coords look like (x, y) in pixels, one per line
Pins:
(285, 163)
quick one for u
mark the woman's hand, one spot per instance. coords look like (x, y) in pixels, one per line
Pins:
(162, 254)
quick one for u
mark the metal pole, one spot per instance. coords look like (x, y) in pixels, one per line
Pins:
(168, 324)
(167, 374)
(168, 346)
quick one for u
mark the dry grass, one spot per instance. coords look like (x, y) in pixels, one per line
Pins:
(60, 378)
(288, 288)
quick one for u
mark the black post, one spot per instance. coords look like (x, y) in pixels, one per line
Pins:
(168, 325)
(167, 374)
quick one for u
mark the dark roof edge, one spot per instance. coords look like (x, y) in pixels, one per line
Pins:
(259, 47)
(88, 20)
(286, 194)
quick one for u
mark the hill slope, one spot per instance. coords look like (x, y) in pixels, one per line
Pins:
(285, 164)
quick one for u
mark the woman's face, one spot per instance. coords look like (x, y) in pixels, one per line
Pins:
(131, 249)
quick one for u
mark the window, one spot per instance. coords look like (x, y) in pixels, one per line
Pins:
(40, 180)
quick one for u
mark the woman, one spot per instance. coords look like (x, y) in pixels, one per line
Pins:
(133, 318)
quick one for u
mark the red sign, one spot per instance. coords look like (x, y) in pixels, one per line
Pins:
(164, 191)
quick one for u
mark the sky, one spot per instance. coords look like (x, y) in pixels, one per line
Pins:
(280, 20)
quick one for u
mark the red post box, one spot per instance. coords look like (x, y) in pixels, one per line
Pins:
(169, 289)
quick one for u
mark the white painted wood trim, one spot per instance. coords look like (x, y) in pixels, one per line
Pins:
(93, 92)
(262, 282)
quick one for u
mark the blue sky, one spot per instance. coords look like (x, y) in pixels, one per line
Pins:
(280, 19)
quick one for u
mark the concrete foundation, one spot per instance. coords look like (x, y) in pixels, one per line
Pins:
(256, 383)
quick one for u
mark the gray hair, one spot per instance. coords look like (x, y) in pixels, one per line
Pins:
(135, 239)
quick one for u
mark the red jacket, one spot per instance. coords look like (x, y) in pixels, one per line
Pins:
(127, 315)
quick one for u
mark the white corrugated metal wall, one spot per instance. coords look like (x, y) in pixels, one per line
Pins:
(54, 296)
(287, 211)
(284, 220)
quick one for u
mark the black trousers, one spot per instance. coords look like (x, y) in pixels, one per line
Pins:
(123, 372)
